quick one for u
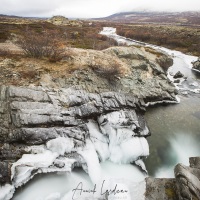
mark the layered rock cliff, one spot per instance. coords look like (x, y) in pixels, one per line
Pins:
(55, 124)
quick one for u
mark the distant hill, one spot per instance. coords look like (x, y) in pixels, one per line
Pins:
(182, 18)
(14, 16)
(9, 16)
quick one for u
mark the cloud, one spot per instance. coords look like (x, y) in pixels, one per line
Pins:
(91, 8)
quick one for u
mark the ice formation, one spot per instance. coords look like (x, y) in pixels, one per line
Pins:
(6, 192)
(114, 136)
(60, 145)
(124, 144)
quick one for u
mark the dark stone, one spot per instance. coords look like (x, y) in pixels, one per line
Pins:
(177, 81)
(178, 75)
(188, 180)
(196, 64)
(5, 172)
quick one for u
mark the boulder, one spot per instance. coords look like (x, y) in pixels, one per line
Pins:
(178, 75)
(177, 81)
(196, 64)
(188, 179)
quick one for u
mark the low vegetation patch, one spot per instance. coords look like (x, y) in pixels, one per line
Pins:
(186, 39)
(42, 45)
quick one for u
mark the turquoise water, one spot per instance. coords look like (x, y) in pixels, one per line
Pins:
(175, 134)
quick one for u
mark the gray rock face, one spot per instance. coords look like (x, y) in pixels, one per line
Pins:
(196, 65)
(161, 189)
(185, 185)
(5, 172)
(35, 116)
(188, 180)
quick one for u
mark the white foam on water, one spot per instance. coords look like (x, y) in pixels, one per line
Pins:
(59, 186)
(50, 185)
(183, 146)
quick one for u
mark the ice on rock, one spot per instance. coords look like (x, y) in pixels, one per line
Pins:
(118, 120)
(21, 170)
(141, 164)
(196, 91)
(60, 145)
(92, 160)
(99, 140)
(124, 147)
(128, 151)
(6, 192)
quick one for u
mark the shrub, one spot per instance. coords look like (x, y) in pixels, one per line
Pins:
(38, 45)
(110, 73)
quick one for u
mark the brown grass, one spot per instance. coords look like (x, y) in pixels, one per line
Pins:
(153, 51)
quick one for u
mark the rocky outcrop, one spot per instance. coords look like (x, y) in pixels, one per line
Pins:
(141, 73)
(188, 179)
(61, 20)
(65, 119)
(185, 185)
(196, 65)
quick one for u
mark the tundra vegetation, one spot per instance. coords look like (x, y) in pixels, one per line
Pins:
(185, 39)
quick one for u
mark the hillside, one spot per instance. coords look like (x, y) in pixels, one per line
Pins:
(178, 18)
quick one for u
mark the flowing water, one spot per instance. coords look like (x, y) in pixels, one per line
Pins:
(175, 137)
(58, 186)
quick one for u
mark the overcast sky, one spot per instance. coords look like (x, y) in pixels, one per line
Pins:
(91, 8)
